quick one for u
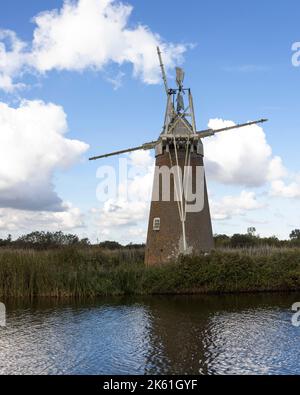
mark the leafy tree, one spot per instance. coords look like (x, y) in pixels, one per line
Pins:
(295, 235)
(85, 242)
(241, 241)
(270, 241)
(133, 246)
(222, 240)
(7, 242)
(110, 245)
(43, 240)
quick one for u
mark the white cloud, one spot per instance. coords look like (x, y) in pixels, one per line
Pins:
(289, 190)
(126, 216)
(230, 206)
(121, 213)
(142, 160)
(241, 157)
(276, 169)
(116, 81)
(86, 34)
(12, 59)
(32, 147)
(122, 220)
(22, 221)
(91, 33)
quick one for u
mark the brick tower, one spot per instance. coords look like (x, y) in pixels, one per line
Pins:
(165, 236)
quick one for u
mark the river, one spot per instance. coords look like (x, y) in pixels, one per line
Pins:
(229, 334)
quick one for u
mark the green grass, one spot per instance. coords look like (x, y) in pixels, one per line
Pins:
(93, 272)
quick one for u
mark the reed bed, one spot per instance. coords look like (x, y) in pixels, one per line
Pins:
(92, 272)
(260, 250)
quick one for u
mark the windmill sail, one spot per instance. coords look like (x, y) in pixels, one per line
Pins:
(145, 147)
(212, 132)
(179, 77)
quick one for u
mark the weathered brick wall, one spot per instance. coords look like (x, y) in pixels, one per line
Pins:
(166, 244)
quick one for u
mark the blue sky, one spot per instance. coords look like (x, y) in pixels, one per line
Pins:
(238, 63)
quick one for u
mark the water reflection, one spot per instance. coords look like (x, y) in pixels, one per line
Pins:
(157, 335)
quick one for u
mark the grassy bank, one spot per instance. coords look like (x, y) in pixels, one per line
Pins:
(93, 272)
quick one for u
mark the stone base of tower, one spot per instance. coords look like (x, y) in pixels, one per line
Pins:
(165, 236)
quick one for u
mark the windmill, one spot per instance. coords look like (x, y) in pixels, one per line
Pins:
(174, 228)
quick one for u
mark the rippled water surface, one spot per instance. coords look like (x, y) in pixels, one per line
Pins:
(245, 334)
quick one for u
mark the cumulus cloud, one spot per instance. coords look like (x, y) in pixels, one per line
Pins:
(32, 146)
(121, 213)
(86, 34)
(242, 156)
(90, 33)
(230, 206)
(120, 219)
(18, 221)
(126, 215)
(13, 58)
(289, 190)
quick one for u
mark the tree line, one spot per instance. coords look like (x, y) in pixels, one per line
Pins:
(48, 240)
(251, 240)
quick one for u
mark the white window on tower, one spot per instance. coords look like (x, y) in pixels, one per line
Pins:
(156, 224)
